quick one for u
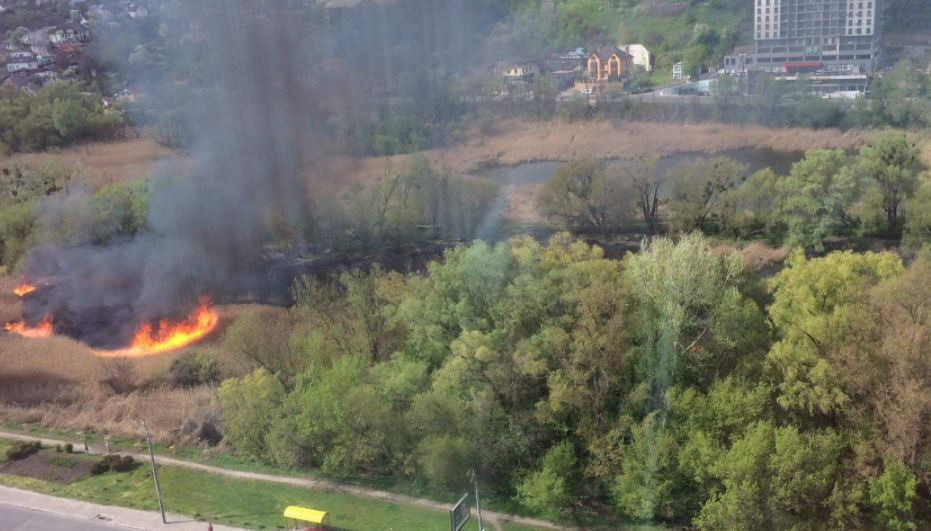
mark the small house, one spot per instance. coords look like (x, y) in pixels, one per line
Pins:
(21, 63)
(639, 55)
(520, 72)
(608, 64)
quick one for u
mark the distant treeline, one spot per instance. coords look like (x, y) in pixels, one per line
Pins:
(829, 196)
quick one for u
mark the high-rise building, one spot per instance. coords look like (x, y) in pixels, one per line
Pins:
(841, 34)
(832, 42)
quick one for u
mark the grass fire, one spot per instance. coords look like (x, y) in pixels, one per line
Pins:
(24, 289)
(167, 335)
(42, 329)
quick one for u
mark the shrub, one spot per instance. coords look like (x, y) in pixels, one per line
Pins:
(69, 448)
(122, 464)
(114, 463)
(58, 448)
(193, 369)
(23, 450)
(100, 467)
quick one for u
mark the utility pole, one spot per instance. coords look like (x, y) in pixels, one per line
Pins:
(158, 489)
(478, 505)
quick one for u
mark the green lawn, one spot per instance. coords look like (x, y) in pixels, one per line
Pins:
(235, 462)
(241, 503)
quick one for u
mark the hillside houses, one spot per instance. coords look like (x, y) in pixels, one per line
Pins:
(47, 51)
(580, 69)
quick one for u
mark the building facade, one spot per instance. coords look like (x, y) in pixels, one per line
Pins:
(639, 55)
(608, 64)
(839, 34)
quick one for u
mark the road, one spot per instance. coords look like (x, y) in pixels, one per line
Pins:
(22, 510)
(19, 519)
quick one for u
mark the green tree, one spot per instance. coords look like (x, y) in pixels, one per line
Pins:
(916, 230)
(893, 494)
(744, 501)
(893, 164)
(584, 195)
(646, 183)
(549, 489)
(817, 305)
(898, 98)
(702, 194)
(647, 485)
(816, 198)
(249, 407)
(692, 320)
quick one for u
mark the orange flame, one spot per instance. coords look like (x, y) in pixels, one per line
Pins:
(174, 335)
(43, 329)
(24, 289)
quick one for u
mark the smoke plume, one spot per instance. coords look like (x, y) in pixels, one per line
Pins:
(206, 232)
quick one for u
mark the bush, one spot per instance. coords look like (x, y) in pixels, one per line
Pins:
(193, 369)
(23, 450)
(69, 448)
(122, 464)
(58, 448)
(114, 463)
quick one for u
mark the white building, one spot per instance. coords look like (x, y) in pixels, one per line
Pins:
(21, 64)
(677, 72)
(639, 55)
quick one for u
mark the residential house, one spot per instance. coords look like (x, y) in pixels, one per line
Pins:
(608, 64)
(639, 55)
(523, 72)
(677, 72)
(570, 61)
(21, 62)
(737, 62)
(69, 32)
(19, 54)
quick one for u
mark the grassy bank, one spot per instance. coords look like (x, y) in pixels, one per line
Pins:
(241, 503)
(238, 502)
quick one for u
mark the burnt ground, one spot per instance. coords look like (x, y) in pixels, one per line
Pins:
(58, 467)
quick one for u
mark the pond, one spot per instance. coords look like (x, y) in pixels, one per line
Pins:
(493, 227)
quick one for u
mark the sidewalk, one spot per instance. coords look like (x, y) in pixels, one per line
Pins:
(101, 514)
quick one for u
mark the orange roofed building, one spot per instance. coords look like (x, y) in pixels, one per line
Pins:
(608, 64)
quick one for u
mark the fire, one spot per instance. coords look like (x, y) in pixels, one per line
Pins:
(41, 330)
(170, 335)
(24, 289)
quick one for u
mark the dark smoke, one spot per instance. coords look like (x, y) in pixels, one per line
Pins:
(269, 87)
(206, 233)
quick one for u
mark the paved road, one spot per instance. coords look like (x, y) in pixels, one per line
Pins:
(22, 510)
(19, 519)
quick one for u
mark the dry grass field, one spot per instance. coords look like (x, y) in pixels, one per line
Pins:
(105, 162)
(60, 382)
(518, 141)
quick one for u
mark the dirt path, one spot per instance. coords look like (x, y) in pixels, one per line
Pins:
(494, 518)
